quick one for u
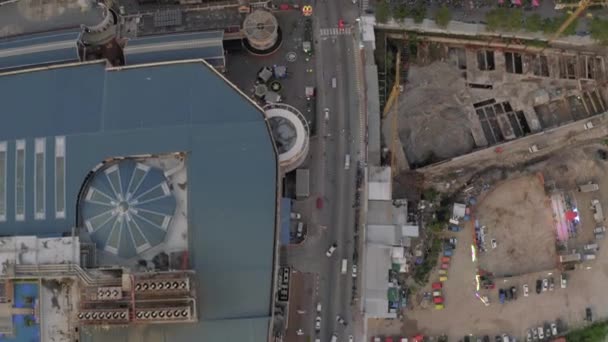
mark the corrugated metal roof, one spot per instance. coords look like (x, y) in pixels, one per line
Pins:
(205, 45)
(54, 47)
(132, 111)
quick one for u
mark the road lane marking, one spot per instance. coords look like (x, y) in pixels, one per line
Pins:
(334, 31)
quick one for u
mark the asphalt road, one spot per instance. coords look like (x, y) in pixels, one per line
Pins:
(338, 136)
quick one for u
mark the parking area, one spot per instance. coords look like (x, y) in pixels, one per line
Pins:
(517, 216)
(516, 209)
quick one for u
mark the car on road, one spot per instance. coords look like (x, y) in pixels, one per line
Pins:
(295, 216)
(354, 270)
(526, 290)
(331, 250)
(334, 337)
(545, 284)
(539, 286)
(564, 280)
(319, 307)
(448, 252)
(341, 320)
(318, 323)
(551, 284)
(326, 114)
(341, 23)
(554, 329)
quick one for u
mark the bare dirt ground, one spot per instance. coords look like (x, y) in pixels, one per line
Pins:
(465, 314)
(432, 121)
(518, 215)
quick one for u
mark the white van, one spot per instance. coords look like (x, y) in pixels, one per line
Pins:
(334, 83)
(347, 162)
(344, 266)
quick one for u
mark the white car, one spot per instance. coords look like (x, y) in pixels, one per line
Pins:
(545, 284)
(331, 250)
(526, 290)
(354, 270)
(564, 281)
(541, 333)
(351, 338)
(554, 329)
(494, 243)
(318, 323)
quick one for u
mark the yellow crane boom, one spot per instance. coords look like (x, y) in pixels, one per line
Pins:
(581, 7)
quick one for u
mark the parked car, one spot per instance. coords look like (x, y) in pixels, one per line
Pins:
(318, 323)
(547, 330)
(354, 270)
(331, 250)
(545, 284)
(295, 216)
(541, 333)
(529, 336)
(453, 228)
(554, 329)
(591, 247)
(447, 252)
(513, 292)
(564, 280)
(526, 290)
(599, 236)
(534, 335)
(508, 294)
(341, 320)
(539, 286)
(494, 244)
(501, 296)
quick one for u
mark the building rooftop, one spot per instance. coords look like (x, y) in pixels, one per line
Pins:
(36, 49)
(177, 46)
(86, 113)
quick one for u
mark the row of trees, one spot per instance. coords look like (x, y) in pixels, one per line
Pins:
(499, 19)
(384, 11)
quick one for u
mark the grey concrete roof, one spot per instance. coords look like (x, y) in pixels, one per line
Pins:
(36, 49)
(140, 110)
(171, 47)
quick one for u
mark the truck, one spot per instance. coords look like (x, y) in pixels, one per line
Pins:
(589, 187)
(598, 213)
(570, 257)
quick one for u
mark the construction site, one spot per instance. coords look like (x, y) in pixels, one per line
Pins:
(459, 96)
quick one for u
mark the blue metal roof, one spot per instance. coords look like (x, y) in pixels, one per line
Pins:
(171, 47)
(133, 111)
(39, 49)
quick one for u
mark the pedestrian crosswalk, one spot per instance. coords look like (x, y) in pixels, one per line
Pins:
(335, 31)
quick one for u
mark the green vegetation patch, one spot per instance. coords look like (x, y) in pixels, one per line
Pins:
(596, 332)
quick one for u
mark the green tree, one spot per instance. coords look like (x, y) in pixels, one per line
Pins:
(599, 30)
(534, 23)
(382, 11)
(507, 19)
(443, 16)
(418, 13)
(400, 12)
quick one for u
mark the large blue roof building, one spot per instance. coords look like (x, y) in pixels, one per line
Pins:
(60, 122)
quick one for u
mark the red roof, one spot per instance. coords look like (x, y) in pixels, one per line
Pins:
(437, 286)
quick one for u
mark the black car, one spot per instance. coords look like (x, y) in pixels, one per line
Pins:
(508, 294)
(486, 338)
(589, 315)
(498, 338)
(513, 292)
(539, 286)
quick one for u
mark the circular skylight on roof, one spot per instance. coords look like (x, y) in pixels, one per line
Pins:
(128, 207)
